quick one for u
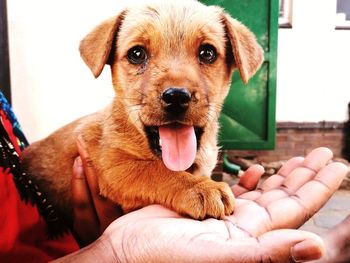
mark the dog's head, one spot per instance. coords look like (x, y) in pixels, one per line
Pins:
(171, 66)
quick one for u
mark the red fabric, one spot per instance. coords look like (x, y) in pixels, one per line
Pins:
(8, 127)
(22, 231)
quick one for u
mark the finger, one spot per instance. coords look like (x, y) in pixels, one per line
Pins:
(307, 250)
(249, 180)
(302, 173)
(326, 182)
(290, 165)
(288, 245)
(106, 210)
(316, 158)
(276, 180)
(313, 163)
(276, 246)
(293, 211)
(295, 174)
(88, 167)
(85, 220)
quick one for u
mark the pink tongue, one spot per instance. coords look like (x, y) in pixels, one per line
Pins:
(179, 146)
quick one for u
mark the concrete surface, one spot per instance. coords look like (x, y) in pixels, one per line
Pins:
(335, 210)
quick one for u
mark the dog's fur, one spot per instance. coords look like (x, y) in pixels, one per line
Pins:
(129, 172)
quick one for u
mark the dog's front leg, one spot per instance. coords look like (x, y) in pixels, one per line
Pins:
(140, 183)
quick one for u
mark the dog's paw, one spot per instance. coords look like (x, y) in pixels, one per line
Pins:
(205, 199)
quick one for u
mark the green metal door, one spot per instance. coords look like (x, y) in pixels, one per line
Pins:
(248, 116)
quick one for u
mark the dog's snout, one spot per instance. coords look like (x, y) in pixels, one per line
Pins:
(176, 99)
(176, 96)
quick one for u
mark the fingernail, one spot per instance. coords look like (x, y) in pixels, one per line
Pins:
(78, 161)
(78, 171)
(306, 250)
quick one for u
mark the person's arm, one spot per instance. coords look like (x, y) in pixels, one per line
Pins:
(98, 251)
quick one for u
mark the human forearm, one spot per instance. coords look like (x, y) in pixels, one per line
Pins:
(98, 251)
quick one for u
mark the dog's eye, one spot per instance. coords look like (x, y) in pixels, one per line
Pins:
(207, 54)
(137, 55)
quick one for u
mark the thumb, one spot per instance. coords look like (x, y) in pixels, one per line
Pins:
(307, 250)
(287, 245)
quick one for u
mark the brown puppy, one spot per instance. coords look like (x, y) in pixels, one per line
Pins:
(157, 142)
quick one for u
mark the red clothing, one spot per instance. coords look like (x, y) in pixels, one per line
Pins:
(23, 236)
(23, 233)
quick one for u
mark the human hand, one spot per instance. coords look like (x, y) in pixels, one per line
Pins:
(98, 250)
(255, 232)
(92, 213)
(156, 234)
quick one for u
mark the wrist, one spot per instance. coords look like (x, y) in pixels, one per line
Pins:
(103, 251)
(99, 251)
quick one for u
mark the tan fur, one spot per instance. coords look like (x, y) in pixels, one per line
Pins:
(128, 172)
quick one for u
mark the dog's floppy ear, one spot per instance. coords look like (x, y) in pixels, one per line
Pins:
(247, 53)
(96, 47)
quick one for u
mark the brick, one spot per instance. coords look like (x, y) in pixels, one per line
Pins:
(298, 141)
(285, 145)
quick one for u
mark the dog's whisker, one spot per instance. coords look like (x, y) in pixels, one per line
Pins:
(140, 92)
(132, 99)
(215, 109)
(136, 105)
(136, 121)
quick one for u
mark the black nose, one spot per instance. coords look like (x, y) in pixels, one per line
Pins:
(176, 100)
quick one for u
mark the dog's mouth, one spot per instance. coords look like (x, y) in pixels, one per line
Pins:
(176, 144)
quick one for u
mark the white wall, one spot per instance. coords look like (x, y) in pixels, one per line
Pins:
(51, 85)
(313, 80)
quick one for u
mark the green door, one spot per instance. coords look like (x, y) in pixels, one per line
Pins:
(248, 116)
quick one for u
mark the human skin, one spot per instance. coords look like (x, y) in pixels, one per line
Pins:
(337, 241)
(261, 228)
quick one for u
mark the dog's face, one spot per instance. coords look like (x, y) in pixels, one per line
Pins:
(171, 65)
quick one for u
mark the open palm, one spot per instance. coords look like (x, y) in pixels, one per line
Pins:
(259, 230)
